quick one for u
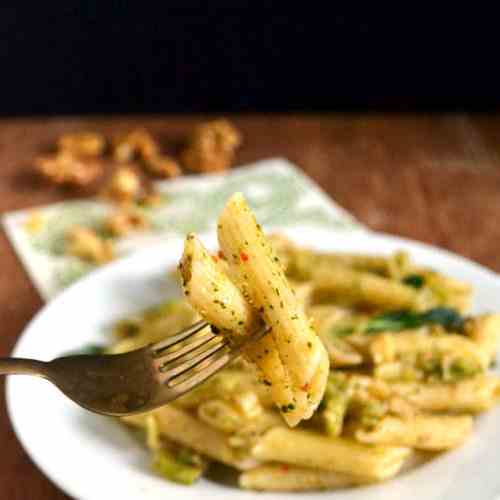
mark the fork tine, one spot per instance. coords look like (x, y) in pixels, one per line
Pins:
(169, 365)
(191, 382)
(183, 335)
(166, 355)
(169, 375)
(205, 359)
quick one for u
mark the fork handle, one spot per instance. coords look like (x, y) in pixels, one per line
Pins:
(22, 366)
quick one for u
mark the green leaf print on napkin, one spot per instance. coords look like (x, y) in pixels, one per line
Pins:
(277, 198)
(50, 239)
(71, 271)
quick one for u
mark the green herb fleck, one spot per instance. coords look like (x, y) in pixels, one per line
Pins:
(342, 331)
(414, 280)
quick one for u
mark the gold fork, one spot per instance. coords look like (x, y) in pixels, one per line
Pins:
(136, 381)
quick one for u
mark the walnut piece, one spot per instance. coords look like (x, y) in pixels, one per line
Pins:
(151, 199)
(138, 143)
(66, 168)
(211, 147)
(124, 186)
(122, 223)
(82, 143)
(87, 245)
(162, 166)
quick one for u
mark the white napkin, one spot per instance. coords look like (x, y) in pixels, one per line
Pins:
(278, 191)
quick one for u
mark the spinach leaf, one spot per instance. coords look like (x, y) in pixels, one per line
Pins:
(396, 321)
(393, 321)
(448, 318)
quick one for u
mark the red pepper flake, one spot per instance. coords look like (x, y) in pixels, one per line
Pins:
(214, 258)
(305, 387)
(221, 255)
(243, 256)
(285, 468)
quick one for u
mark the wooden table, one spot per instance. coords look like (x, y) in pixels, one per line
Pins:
(432, 178)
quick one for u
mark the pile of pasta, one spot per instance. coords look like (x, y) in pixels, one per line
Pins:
(371, 362)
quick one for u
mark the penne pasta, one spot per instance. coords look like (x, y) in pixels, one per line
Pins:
(261, 279)
(444, 356)
(418, 341)
(448, 291)
(472, 395)
(181, 427)
(227, 384)
(423, 432)
(340, 351)
(220, 414)
(302, 262)
(334, 454)
(349, 286)
(158, 322)
(249, 433)
(265, 356)
(212, 293)
(283, 477)
(485, 331)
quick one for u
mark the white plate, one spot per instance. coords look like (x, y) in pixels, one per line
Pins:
(92, 457)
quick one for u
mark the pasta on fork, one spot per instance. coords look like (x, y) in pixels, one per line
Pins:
(253, 288)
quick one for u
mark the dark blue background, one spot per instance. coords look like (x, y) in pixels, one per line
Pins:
(102, 57)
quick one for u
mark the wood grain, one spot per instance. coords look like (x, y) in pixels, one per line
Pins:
(435, 178)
